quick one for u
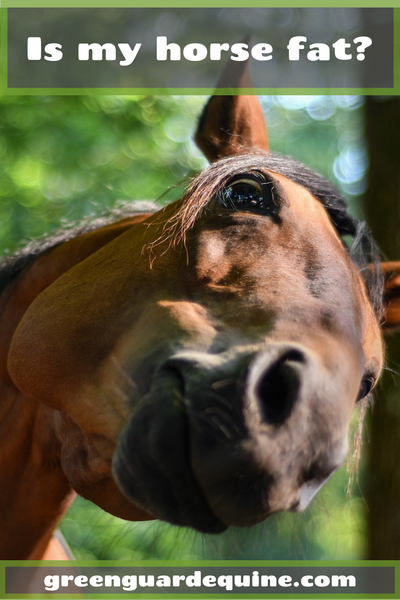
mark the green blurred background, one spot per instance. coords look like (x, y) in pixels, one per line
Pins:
(65, 158)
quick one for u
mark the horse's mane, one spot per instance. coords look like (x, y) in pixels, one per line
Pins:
(12, 264)
(207, 184)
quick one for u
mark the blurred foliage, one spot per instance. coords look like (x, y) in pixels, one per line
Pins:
(64, 158)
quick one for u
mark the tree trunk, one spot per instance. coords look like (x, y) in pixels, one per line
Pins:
(382, 210)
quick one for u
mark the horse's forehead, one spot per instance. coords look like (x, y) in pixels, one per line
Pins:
(302, 233)
(296, 264)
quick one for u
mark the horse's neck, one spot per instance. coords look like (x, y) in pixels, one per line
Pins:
(33, 486)
(34, 490)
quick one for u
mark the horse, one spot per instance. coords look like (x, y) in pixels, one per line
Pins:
(198, 363)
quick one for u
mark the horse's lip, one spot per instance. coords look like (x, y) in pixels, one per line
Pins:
(309, 489)
(160, 460)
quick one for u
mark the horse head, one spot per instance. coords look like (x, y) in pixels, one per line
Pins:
(202, 367)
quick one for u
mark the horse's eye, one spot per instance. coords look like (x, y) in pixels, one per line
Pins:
(247, 194)
(365, 388)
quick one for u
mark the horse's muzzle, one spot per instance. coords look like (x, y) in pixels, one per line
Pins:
(228, 439)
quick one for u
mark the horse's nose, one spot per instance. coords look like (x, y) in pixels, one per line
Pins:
(264, 427)
(275, 381)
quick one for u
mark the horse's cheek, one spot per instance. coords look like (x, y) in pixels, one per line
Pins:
(20, 367)
(86, 461)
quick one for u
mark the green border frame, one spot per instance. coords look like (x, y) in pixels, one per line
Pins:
(4, 90)
(198, 4)
(4, 4)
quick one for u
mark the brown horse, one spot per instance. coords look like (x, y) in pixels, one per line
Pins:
(199, 364)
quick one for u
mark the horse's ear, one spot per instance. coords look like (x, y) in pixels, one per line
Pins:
(231, 125)
(391, 295)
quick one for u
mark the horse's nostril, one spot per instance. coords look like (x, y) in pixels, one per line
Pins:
(278, 388)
